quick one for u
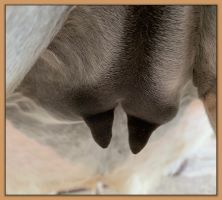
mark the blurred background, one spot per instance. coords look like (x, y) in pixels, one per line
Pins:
(44, 156)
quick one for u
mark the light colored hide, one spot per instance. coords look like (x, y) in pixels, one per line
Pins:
(29, 30)
(178, 159)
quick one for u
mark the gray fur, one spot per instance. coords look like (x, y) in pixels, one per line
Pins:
(138, 56)
(29, 30)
